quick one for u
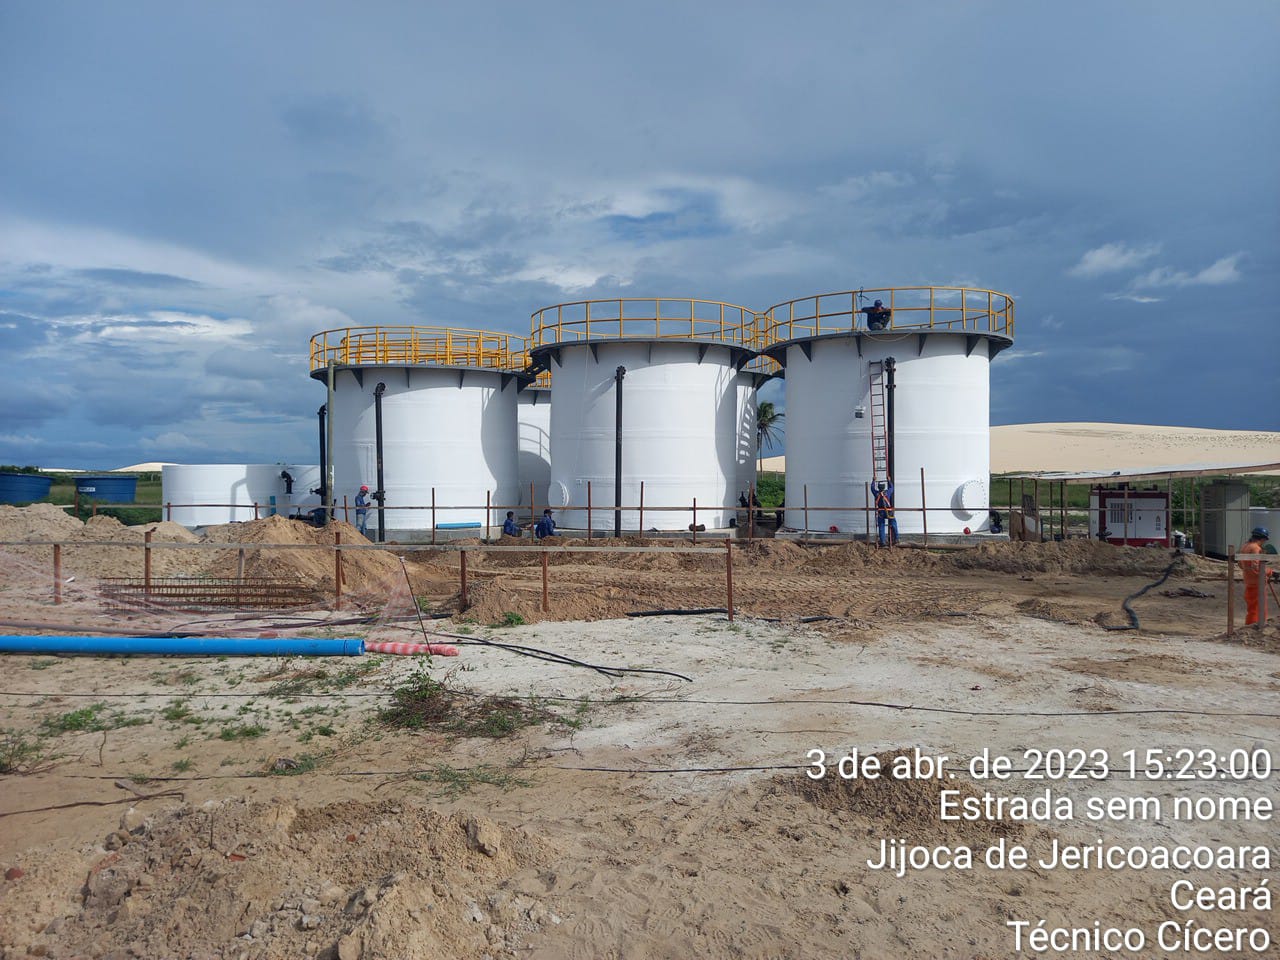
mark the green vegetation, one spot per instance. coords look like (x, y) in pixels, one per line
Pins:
(771, 489)
(422, 703)
(22, 753)
(241, 731)
(510, 619)
(87, 720)
(291, 767)
(183, 765)
(458, 780)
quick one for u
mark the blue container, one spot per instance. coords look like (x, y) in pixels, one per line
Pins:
(120, 488)
(23, 487)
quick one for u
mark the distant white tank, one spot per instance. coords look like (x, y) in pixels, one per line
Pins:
(205, 494)
(534, 413)
(683, 410)
(449, 422)
(839, 396)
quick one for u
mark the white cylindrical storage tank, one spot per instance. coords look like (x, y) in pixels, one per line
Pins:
(447, 430)
(533, 411)
(680, 429)
(205, 494)
(936, 417)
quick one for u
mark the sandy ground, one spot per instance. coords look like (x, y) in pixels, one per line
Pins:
(285, 820)
(1075, 447)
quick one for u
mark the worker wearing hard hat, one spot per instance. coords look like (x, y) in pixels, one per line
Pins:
(362, 511)
(1250, 570)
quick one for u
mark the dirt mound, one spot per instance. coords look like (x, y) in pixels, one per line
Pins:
(1047, 610)
(1265, 638)
(1073, 556)
(899, 808)
(348, 880)
(362, 570)
(40, 521)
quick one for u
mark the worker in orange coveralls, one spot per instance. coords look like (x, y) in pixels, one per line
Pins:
(1250, 570)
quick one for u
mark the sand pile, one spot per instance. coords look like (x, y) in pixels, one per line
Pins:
(900, 808)
(40, 521)
(1266, 638)
(248, 879)
(1073, 556)
(363, 570)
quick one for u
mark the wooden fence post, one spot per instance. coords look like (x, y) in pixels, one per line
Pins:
(805, 534)
(337, 569)
(433, 514)
(751, 510)
(57, 573)
(728, 575)
(1231, 588)
(463, 599)
(588, 509)
(641, 509)
(924, 509)
(694, 526)
(546, 601)
(146, 564)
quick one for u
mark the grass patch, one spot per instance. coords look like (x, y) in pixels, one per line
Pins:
(88, 720)
(183, 765)
(295, 766)
(510, 619)
(422, 703)
(43, 664)
(453, 781)
(241, 731)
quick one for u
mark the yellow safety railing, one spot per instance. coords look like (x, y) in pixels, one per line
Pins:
(915, 309)
(440, 346)
(674, 318)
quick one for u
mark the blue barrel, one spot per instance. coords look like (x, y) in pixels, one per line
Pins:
(23, 487)
(120, 488)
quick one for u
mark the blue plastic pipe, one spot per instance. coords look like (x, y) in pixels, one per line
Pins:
(185, 646)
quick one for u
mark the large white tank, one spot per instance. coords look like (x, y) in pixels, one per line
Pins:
(204, 494)
(940, 412)
(533, 410)
(683, 409)
(747, 451)
(444, 428)
(680, 426)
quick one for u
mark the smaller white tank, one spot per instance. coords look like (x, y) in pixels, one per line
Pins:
(204, 494)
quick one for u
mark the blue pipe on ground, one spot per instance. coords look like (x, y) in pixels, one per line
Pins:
(185, 646)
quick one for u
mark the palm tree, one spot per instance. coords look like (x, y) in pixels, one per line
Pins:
(768, 427)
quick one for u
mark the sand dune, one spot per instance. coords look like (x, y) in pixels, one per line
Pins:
(1032, 447)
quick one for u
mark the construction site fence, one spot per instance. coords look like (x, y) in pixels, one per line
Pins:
(156, 591)
(160, 592)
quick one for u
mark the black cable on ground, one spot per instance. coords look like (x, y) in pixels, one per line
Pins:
(551, 656)
(1134, 624)
(698, 611)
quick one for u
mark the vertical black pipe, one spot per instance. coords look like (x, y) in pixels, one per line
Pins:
(380, 494)
(617, 451)
(889, 365)
(324, 459)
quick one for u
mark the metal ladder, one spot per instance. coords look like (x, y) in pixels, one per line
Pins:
(879, 425)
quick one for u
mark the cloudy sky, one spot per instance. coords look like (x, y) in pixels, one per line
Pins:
(188, 192)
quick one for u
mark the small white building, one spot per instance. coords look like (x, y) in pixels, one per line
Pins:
(1128, 517)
